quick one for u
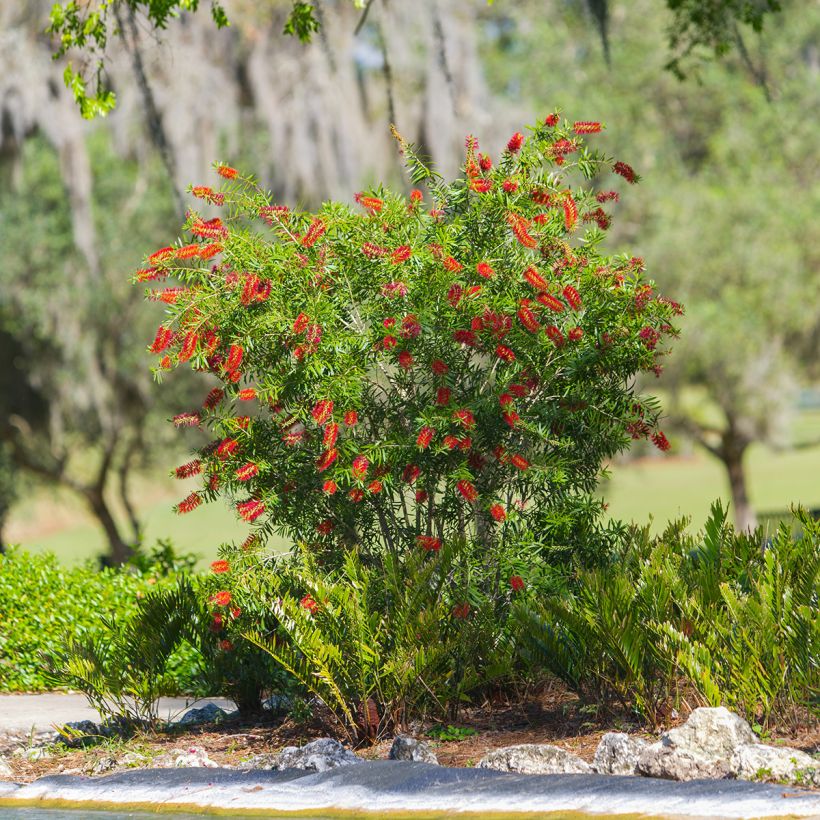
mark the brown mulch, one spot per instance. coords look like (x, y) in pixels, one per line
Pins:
(551, 715)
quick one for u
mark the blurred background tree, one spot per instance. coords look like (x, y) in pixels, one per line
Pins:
(728, 159)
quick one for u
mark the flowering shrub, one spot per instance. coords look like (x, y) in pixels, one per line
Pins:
(450, 367)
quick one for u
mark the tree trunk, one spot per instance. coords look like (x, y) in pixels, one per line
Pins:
(732, 454)
(119, 551)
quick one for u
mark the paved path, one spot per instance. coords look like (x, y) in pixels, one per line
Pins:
(21, 713)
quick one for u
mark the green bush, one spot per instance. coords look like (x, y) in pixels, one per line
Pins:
(730, 614)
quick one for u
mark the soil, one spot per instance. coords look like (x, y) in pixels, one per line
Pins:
(551, 715)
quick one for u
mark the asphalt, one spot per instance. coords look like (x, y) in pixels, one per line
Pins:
(41, 713)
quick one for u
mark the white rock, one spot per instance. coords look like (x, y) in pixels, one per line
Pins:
(319, 755)
(5, 769)
(408, 748)
(534, 758)
(195, 757)
(618, 753)
(777, 763)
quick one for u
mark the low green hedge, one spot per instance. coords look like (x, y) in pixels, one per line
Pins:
(43, 604)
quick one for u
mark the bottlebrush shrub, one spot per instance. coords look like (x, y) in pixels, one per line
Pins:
(398, 376)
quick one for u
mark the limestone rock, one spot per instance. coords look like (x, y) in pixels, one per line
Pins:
(260, 761)
(775, 763)
(618, 753)
(658, 760)
(319, 755)
(102, 765)
(408, 748)
(209, 713)
(278, 704)
(195, 757)
(5, 769)
(534, 758)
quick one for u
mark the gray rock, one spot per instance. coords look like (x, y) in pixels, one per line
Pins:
(32, 753)
(408, 748)
(319, 756)
(262, 762)
(82, 727)
(618, 753)
(775, 763)
(534, 758)
(703, 747)
(278, 704)
(103, 765)
(209, 713)
(5, 769)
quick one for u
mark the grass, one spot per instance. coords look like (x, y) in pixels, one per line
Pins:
(659, 487)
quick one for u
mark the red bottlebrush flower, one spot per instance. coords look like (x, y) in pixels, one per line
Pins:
(187, 470)
(570, 212)
(211, 342)
(421, 496)
(189, 504)
(483, 269)
(650, 337)
(356, 495)
(661, 441)
(505, 353)
(452, 265)
(555, 334)
(293, 437)
(187, 251)
(163, 338)
(322, 411)
(410, 327)
(454, 294)
(467, 490)
(233, 376)
(405, 360)
(313, 334)
(213, 483)
(519, 227)
(528, 320)
(220, 567)
(351, 418)
(410, 473)
(225, 645)
(429, 543)
(274, 214)
(188, 346)
(416, 196)
(329, 487)
(213, 398)
(517, 583)
(226, 171)
(373, 251)
(606, 196)
(477, 324)
(247, 394)
(165, 363)
(643, 296)
(300, 323)
(626, 171)
(550, 301)
(325, 527)
(600, 217)
(450, 442)
(226, 448)
(169, 295)
(465, 418)
(518, 390)
(249, 289)
(374, 487)
(505, 399)
(461, 611)
(162, 255)
(515, 143)
(210, 250)
(439, 367)
(330, 435)
(401, 254)
(484, 162)
(222, 598)
(586, 127)
(326, 459)
(532, 277)
(465, 337)
(573, 297)
(235, 354)
(510, 186)
(209, 228)
(424, 438)
(250, 510)
(389, 342)
(498, 512)
(360, 465)
(309, 604)
(247, 471)
(242, 422)
(575, 333)
(473, 290)
(551, 120)
(519, 462)
(481, 186)
(149, 275)
(388, 323)
(314, 233)
(369, 203)
(443, 396)
(187, 420)
(511, 417)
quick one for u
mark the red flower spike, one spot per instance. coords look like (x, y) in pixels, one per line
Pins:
(300, 323)
(606, 196)
(356, 495)
(481, 186)
(188, 346)
(551, 120)
(401, 254)
(213, 398)
(373, 251)
(410, 473)
(416, 196)
(550, 301)
(330, 435)
(360, 465)
(374, 487)
(465, 418)
(405, 360)
(450, 442)
(515, 143)
(498, 512)
(190, 469)
(454, 294)
(222, 598)
(351, 418)
(570, 212)
(247, 394)
(505, 353)
(330, 487)
(439, 367)
(575, 334)
(554, 334)
(410, 327)
(465, 337)
(467, 490)
(429, 543)
(484, 162)
(528, 320)
(246, 472)
(483, 269)
(162, 255)
(626, 171)
(326, 459)
(325, 527)
(421, 496)
(227, 172)
(187, 420)
(519, 227)
(532, 277)
(443, 395)
(234, 360)
(309, 604)
(586, 127)
(452, 265)
(517, 583)
(519, 462)
(661, 441)
(250, 510)
(369, 203)
(510, 186)
(189, 504)
(322, 411)
(163, 338)
(511, 417)
(220, 567)
(505, 399)
(314, 233)
(573, 297)
(424, 438)
(226, 448)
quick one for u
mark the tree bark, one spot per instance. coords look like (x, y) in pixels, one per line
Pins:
(732, 452)
(119, 551)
